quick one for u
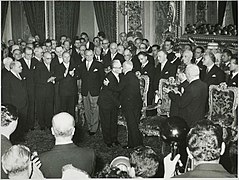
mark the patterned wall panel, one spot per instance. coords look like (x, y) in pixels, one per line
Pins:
(161, 11)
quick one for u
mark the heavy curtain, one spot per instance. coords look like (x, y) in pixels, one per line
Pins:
(235, 12)
(34, 11)
(4, 7)
(105, 12)
(66, 18)
(221, 11)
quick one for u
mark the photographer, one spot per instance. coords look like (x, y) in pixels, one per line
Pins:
(204, 148)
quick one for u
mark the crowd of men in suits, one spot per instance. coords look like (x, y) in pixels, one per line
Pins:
(42, 79)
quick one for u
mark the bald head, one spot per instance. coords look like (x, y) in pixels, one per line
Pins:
(127, 66)
(192, 72)
(113, 48)
(63, 125)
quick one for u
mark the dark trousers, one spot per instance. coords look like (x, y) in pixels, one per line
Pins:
(57, 101)
(132, 115)
(44, 111)
(19, 133)
(31, 111)
(68, 104)
(109, 119)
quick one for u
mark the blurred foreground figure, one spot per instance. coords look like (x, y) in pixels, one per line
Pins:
(204, 147)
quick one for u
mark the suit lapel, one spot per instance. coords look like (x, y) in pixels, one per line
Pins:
(212, 71)
(24, 64)
(114, 78)
(92, 66)
(165, 68)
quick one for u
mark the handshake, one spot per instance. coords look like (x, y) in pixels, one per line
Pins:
(51, 79)
(167, 90)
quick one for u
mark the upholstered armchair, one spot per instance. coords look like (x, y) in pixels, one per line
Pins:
(79, 111)
(164, 102)
(223, 104)
(144, 87)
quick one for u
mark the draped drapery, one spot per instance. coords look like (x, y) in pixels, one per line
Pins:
(34, 11)
(105, 12)
(235, 12)
(66, 18)
(221, 11)
(4, 7)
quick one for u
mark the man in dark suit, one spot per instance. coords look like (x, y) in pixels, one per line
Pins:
(17, 54)
(55, 63)
(212, 74)
(76, 55)
(88, 44)
(193, 101)
(164, 70)
(67, 75)
(168, 46)
(135, 60)
(204, 158)
(92, 75)
(226, 58)
(97, 54)
(114, 54)
(28, 73)
(65, 151)
(109, 105)
(14, 92)
(131, 102)
(38, 53)
(233, 78)
(105, 53)
(44, 91)
(198, 59)
(148, 70)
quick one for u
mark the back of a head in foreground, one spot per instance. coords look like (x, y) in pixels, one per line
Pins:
(112, 172)
(192, 71)
(8, 114)
(63, 125)
(70, 172)
(16, 160)
(204, 141)
(145, 161)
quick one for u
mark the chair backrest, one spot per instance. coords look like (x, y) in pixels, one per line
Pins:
(170, 83)
(144, 87)
(223, 102)
(223, 106)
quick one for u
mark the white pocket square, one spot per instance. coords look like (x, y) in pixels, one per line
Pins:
(234, 83)
(95, 70)
(166, 72)
(214, 75)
